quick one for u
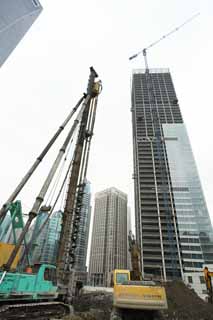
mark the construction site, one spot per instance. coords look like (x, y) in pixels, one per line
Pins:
(172, 242)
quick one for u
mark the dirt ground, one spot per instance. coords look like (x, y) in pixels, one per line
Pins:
(183, 304)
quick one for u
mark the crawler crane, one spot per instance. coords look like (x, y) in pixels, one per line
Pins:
(47, 289)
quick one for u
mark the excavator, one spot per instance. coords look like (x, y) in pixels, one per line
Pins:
(45, 290)
(133, 295)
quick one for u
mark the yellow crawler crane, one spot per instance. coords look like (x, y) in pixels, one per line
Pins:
(134, 296)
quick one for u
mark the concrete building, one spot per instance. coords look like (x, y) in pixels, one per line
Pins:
(109, 236)
(16, 17)
(173, 226)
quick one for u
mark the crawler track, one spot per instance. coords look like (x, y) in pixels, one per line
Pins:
(41, 311)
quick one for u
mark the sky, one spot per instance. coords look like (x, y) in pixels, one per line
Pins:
(47, 73)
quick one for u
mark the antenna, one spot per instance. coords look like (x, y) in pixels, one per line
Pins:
(144, 51)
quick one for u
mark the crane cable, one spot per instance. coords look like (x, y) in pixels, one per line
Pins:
(57, 179)
(30, 244)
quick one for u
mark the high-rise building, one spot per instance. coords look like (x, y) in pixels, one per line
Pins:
(109, 236)
(173, 226)
(16, 17)
(6, 228)
(129, 229)
(45, 246)
(82, 242)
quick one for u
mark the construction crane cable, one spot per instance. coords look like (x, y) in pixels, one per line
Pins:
(20, 186)
(30, 244)
(59, 175)
(95, 101)
(39, 199)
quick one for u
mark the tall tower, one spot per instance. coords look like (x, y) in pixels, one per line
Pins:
(109, 236)
(46, 244)
(173, 226)
(16, 17)
(82, 242)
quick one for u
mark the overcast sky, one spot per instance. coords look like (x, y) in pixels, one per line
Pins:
(48, 72)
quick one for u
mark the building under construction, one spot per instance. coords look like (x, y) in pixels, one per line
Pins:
(173, 225)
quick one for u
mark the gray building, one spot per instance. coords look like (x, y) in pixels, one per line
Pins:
(109, 236)
(173, 226)
(16, 17)
(82, 242)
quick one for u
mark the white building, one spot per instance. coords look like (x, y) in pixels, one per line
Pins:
(196, 281)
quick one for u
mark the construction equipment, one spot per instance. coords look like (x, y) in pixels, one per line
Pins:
(207, 276)
(144, 51)
(134, 294)
(43, 284)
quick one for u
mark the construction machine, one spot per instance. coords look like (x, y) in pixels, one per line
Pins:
(47, 289)
(207, 276)
(134, 295)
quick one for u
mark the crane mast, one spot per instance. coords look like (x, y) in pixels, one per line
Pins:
(72, 210)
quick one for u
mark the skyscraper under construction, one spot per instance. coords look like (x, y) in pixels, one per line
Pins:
(173, 227)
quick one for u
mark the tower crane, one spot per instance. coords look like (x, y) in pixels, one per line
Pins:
(144, 51)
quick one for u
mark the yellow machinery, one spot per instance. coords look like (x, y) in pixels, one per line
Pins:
(143, 295)
(6, 249)
(131, 292)
(208, 275)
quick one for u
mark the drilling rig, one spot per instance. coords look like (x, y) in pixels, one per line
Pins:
(46, 288)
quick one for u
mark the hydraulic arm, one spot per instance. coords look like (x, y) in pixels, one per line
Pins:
(135, 258)
(208, 275)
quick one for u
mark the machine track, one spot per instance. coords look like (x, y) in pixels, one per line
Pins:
(41, 311)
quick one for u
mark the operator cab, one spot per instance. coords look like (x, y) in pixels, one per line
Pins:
(119, 277)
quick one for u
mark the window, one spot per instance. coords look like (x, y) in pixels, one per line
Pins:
(190, 279)
(50, 275)
(121, 277)
(202, 280)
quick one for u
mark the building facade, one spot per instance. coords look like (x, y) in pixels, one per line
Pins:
(109, 236)
(16, 17)
(45, 246)
(83, 236)
(173, 226)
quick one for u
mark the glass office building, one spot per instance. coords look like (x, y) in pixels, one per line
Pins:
(173, 226)
(45, 246)
(83, 236)
(193, 220)
(16, 17)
